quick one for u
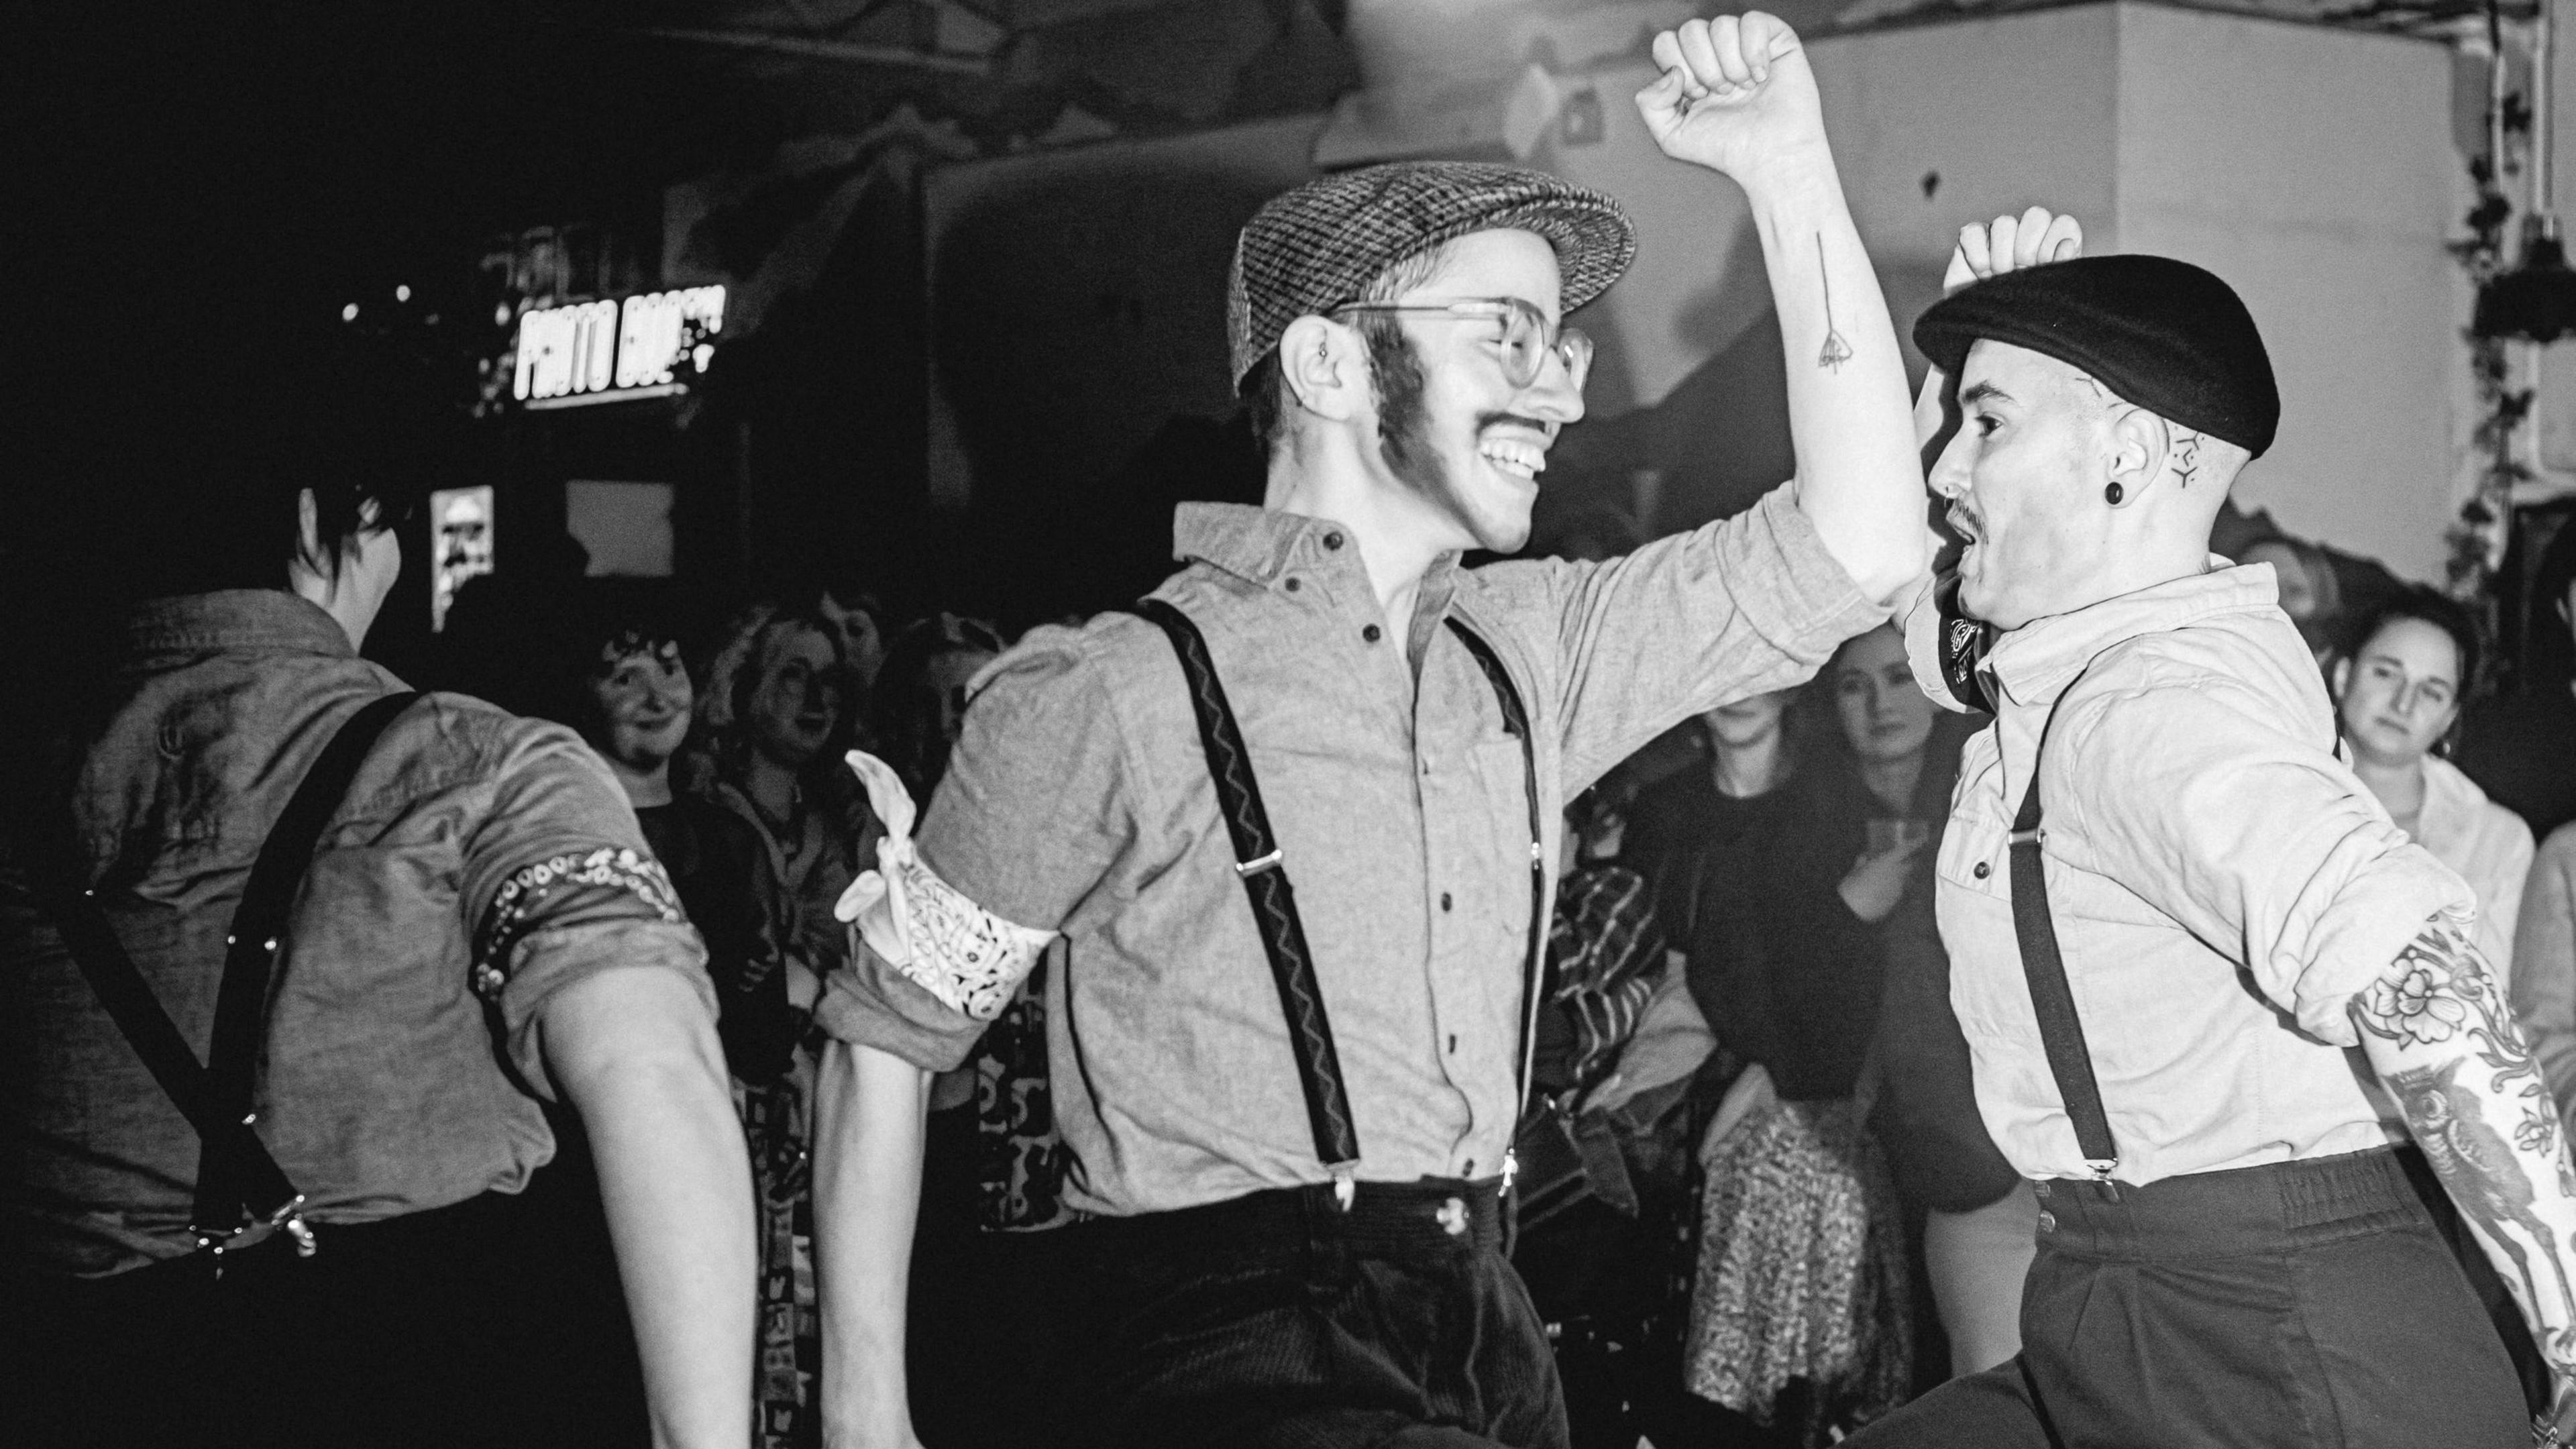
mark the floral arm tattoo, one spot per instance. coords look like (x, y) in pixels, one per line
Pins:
(2441, 1038)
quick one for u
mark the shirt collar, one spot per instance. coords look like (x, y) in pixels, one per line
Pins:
(2035, 662)
(1263, 544)
(266, 620)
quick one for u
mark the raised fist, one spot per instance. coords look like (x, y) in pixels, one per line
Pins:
(1736, 96)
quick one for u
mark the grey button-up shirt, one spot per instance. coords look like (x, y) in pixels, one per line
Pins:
(478, 865)
(1079, 801)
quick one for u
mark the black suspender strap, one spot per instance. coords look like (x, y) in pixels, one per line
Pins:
(1534, 969)
(1274, 904)
(2061, 1031)
(240, 1188)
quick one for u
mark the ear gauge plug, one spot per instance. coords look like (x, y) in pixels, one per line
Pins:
(2113, 495)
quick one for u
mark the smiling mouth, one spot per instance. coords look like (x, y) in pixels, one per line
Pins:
(1521, 459)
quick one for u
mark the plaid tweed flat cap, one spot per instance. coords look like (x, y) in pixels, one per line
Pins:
(1314, 248)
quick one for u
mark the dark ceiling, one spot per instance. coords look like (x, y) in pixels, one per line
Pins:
(292, 148)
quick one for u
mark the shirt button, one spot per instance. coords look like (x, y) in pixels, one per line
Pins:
(1333, 539)
(1984, 870)
(1444, 900)
(2047, 1221)
(1370, 632)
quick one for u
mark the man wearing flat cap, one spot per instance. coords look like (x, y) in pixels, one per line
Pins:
(1292, 1112)
(2225, 1016)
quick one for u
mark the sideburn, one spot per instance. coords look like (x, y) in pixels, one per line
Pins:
(1404, 421)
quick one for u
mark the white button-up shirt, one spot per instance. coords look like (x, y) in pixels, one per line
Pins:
(2221, 883)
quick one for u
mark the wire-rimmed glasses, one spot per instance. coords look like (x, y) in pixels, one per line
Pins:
(1525, 341)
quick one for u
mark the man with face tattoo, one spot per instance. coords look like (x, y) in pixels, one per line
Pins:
(1292, 1116)
(2226, 1017)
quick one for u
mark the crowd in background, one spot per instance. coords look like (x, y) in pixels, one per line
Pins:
(1758, 1205)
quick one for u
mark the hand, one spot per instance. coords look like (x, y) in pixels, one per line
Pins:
(2557, 1426)
(1736, 95)
(2009, 243)
(1878, 881)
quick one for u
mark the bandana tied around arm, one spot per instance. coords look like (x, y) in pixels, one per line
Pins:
(968, 957)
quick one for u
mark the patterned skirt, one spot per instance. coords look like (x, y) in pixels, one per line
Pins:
(1802, 1272)
(775, 1117)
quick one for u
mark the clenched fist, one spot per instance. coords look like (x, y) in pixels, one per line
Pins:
(1736, 96)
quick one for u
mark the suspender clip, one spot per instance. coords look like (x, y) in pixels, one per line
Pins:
(1247, 869)
(1346, 1184)
(2036, 835)
(2102, 1168)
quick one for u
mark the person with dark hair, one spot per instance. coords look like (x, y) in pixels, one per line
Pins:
(291, 962)
(2522, 751)
(1293, 1114)
(2520, 747)
(2196, 963)
(1731, 793)
(631, 698)
(2398, 700)
(919, 698)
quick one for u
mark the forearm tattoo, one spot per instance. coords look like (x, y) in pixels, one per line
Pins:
(1837, 351)
(2497, 1147)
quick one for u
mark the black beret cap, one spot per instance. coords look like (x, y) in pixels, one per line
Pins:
(1312, 249)
(2162, 334)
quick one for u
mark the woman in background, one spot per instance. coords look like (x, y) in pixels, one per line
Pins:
(623, 685)
(779, 708)
(2397, 703)
(1679, 823)
(1801, 1309)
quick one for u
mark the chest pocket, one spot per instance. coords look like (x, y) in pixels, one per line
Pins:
(1972, 855)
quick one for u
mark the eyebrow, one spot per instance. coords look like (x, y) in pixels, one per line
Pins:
(1979, 392)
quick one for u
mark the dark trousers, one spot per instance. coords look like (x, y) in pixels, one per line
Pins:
(494, 1322)
(1277, 1319)
(2308, 1305)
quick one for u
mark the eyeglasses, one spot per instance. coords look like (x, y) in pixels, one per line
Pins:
(1525, 340)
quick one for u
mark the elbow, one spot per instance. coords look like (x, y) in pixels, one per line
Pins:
(628, 1033)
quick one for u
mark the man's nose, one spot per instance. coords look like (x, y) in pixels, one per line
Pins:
(1554, 394)
(1949, 476)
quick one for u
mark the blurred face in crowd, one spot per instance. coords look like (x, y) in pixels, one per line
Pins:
(1883, 711)
(798, 700)
(1456, 432)
(642, 697)
(1748, 721)
(2299, 597)
(2399, 692)
(940, 707)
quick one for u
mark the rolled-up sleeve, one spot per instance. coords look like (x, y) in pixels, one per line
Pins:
(2544, 954)
(1024, 825)
(2250, 837)
(1735, 608)
(559, 885)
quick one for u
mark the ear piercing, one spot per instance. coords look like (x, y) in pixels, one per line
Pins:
(2113, 495)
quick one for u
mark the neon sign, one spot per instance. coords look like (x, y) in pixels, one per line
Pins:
(650, 345)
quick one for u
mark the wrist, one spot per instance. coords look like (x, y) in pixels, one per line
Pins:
(1798, 176)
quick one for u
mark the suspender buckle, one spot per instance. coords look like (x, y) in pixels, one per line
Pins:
(2036, 835)
(2102, 1168)
(1247, 869)
(1346, 1184)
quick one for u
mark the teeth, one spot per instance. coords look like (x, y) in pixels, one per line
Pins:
(1515, 457)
